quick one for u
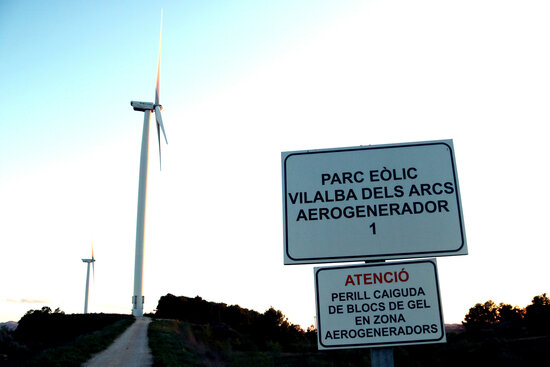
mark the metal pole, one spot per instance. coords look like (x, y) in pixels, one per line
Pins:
(137, 300)
(381, 357)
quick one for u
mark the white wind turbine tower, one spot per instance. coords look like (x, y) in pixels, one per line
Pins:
(146, 108)
(88, 261)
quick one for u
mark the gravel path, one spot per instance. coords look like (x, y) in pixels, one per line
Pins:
(131, 349)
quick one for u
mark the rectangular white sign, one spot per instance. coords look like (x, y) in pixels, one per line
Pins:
(372, 202)
(377, 305)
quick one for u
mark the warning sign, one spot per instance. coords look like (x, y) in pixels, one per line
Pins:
(376, 305)
(375, 202)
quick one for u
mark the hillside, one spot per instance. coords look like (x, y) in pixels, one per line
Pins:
(10, 325)
(52, 338)
(195, 332)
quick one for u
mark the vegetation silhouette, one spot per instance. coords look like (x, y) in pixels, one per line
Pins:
(52, 338)
(507, 320)
(195, 332)
(246, 327)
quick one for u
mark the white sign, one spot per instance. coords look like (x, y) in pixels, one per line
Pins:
(373, 202)
(377, 305)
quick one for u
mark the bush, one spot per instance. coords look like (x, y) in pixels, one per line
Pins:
(510, 321)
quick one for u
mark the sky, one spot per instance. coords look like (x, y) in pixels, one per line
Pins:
(241, 82)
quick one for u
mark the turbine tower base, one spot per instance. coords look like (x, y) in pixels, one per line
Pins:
(137, 309)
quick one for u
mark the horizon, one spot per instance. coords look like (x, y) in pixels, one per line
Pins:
(260, 312)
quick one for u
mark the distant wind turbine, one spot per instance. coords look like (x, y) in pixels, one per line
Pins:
(146, 108)
(88, 261)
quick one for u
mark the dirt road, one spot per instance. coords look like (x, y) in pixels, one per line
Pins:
(131, 349)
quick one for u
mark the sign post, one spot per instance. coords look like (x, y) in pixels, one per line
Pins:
(374, 203)
(381, 357)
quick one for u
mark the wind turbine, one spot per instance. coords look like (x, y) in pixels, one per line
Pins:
(88, 261)
(146, 108)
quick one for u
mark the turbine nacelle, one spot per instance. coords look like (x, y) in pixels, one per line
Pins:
(144, 106)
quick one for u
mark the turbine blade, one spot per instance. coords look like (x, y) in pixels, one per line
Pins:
(158, 107)
(157, 88)
(160, 154)
(93, 262)
(159, 122)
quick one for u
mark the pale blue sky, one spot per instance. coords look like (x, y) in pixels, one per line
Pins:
(242, 81)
